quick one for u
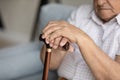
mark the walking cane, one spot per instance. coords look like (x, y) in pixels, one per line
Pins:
(48, 57)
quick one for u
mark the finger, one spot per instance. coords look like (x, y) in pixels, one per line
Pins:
(55, 34)
(47, 26)
(51, 23)
(51, 43)
(63, 41)
(71, 49)
(56, 42)
(47, 39)
(50, 30)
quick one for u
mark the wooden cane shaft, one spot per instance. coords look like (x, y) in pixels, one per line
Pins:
(46, 64)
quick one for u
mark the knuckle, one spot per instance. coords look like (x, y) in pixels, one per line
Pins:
(65, 39)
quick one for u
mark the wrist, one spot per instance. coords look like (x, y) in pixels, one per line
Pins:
(83, 40)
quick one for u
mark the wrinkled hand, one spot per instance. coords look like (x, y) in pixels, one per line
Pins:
(57, 33)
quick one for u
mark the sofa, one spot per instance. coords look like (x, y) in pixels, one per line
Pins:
(22, 62)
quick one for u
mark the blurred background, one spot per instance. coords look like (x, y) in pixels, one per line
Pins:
(19, 19)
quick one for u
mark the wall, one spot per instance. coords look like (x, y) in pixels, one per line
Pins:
(18, 16)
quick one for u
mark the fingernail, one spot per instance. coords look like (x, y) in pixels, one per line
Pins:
(43, 36)
(61, 44)
(47, 42)
(51, 45)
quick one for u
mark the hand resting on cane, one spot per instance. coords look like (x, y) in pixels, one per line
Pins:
(57, 54)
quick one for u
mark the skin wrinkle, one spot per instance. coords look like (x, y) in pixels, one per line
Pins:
(111, 12)
(110, 5)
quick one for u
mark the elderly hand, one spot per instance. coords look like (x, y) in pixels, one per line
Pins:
(57, 33)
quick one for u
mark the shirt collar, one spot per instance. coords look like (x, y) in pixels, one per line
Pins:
(118, 19)
(95, 18)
